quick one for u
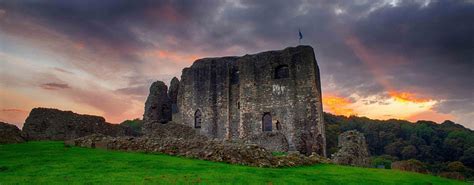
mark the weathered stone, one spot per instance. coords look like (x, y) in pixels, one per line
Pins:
(352, 149)
(173, 94)
(157, 106)
(272, 141)
(54, 124)
(236, 98)
(213, 150)
(10, 134)
(174, 130)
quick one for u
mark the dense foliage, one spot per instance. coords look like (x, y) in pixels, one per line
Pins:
(436, 145)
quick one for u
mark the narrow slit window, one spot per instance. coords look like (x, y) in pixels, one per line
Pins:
(267, 122)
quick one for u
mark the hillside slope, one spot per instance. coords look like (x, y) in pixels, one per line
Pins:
(52, 163)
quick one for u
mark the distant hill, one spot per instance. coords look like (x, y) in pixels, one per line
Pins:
(436, 145)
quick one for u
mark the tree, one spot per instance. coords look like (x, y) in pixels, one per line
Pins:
(453, 148)
(468, 157)
(393, 149)
(436, 145)
(409, 152)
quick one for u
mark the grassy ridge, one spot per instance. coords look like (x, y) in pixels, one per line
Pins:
(52, 163)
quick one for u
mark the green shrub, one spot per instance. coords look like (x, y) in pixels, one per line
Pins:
(383, 160)
(136, 124)
(279, 153)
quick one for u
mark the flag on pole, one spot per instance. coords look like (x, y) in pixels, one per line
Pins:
(301, 35)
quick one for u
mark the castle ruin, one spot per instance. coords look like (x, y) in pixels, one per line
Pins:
(272, 99)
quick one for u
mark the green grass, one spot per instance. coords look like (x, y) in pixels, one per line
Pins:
(52, 163)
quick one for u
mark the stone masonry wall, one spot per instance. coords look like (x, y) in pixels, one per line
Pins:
(234, 93)
(219, 151)
(54, 124)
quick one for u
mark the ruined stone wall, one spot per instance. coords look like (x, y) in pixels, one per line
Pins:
(205, 87)
(158, 105)
(353, 149)
(10, 134)
(234, 93)
(219, 151)
(54, 124)
(173, 94)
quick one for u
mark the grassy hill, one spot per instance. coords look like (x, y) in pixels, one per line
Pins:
(52, 163)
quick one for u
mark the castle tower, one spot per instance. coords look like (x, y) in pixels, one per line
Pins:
(271, 98)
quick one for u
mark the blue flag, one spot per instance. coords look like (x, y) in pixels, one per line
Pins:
(300, 34)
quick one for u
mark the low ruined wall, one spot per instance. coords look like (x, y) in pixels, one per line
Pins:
(212, 150)
(54, 124)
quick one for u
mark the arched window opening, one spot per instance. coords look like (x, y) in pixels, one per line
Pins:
(238, 105)
(267, 122)
(278, 125)
(197, 119)
(282, 71)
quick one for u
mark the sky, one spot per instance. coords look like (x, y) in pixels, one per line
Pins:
(381, 59)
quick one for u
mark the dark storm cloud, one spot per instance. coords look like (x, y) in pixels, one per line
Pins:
(416, 46)
(96, 22)
(436, 42)
(113, 32)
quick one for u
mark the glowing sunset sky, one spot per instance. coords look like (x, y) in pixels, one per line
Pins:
(381, 59)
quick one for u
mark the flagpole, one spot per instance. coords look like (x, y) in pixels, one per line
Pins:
(300, 36)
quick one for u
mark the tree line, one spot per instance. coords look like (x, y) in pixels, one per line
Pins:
(445, 147)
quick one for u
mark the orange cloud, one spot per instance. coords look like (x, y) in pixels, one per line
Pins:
(337, 105)
(407, 97)
(173, 56)
(13, 116)
(432, 116)
(13, 110)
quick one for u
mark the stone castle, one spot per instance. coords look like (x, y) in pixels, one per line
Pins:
(272, 99)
